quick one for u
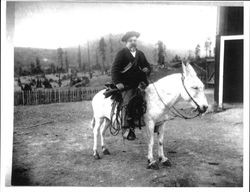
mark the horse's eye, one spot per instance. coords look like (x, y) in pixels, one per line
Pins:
(196, 88)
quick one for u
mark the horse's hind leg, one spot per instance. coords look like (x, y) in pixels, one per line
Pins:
(98, 123)
(102, 133)
(164, 160)
(152, 164)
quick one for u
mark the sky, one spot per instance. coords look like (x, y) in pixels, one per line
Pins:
(53, 25)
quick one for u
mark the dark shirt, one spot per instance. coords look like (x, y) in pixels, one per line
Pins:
(133, 76)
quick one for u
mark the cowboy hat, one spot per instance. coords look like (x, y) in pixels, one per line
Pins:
(130, 34)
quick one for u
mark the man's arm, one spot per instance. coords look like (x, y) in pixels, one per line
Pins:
(117, 68)
(145, 64)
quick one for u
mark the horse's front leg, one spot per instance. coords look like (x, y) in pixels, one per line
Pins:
(162, 158)
(152, 164)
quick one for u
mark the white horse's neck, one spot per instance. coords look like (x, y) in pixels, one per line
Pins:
(166, 90)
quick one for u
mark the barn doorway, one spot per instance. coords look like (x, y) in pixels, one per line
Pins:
(233, 71)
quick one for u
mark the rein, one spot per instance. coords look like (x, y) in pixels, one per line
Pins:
(177, 112)
(115, 130)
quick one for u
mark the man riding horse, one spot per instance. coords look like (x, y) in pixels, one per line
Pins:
(129, 69)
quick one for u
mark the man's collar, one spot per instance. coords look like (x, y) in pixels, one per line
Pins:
(131, 50)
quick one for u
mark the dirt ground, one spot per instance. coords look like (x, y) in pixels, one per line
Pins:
(57, 150)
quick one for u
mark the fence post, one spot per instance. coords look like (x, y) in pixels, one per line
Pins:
(49, 95)
(27, 98)
(15, 96)
(54, 95)
(39, 100)
(31, 98)
(36, 96)
(45, 96)
(59, 95)
(73, 95)
(77, 94)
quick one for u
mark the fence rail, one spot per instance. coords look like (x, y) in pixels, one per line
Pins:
(47, 96)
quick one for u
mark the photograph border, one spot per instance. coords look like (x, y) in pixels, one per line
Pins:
(7, 109)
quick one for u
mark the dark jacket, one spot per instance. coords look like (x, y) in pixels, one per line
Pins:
(129, 76)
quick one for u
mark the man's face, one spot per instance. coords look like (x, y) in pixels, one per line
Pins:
(132, 42)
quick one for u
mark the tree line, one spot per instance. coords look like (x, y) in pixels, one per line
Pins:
(99, 55)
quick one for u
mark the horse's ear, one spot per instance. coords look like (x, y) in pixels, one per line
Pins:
(184, 69)
(190, 69)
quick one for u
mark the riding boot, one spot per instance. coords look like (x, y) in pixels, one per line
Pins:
(128, 132)
(131, 135)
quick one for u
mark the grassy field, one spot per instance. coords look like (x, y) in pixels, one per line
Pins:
(96, 81)
(57, 150)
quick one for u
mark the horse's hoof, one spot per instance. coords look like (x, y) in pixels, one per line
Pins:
(167, 163)
(153, 165)
(106, 152)
(97, 156)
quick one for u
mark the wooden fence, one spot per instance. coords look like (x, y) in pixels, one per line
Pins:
(47, 96)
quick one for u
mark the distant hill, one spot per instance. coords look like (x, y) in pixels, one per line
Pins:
(25, 56)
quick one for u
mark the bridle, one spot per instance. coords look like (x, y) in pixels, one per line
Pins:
(177, 112)
(197, 105)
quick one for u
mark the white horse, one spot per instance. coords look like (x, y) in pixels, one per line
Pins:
(159, 96)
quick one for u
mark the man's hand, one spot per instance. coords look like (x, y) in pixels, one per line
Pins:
(145, 70)
(120, 86)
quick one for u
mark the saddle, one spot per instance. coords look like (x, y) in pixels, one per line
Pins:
(113, 92)
(136, 107)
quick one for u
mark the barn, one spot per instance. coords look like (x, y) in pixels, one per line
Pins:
(229, 56)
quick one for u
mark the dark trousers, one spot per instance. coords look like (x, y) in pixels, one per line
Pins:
(127, 95)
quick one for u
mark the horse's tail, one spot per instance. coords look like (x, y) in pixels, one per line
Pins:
(93, 123)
